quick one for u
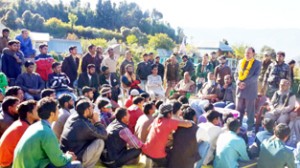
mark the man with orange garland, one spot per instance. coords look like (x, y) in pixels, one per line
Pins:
(246, 77)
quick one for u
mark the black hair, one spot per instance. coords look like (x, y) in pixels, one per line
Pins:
(55, 64)
(47, 92)
(79, 99)
(28, 63)
(213, 53)
(268, 123)
(120, 113)
(91, 46)
(25, 107)
(138, 100)
(5, 30)
(145, 55)
(127, 66)
(102, 103)
(104, 68)
(82, 105)
(8, 101)
(158, 103)
(183, 100)
(148, 107)
(46, 106)
(213, 115)
(153, 66)
(145, 95)
(188, 114)
(176, 106)
(12, 91)
(64, 98)
(208, 107)
(43, 46)
(185, 56)
(12, 42)
(292, 62)
(90, 66)
(72, 48)
(282, 131)
(86, 89)
(281, 53)
(150, 53)
(233, 124)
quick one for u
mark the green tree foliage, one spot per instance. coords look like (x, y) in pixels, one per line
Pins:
(131, 39)
(10, 19)
(239, 50)
(72, 20)
(98, 42)
(269, 50)
(160, 41)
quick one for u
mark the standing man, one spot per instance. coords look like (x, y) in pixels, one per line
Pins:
(292, 66)
(89, 78)
(213, 59)
(222, 70)
(246, 78)
(11, 63)
(91, 58)
(4, 39)
(277, 70)
(128, 60)
(44, 62)
(201, 71)
(265, 65)
(161, 68)
(26, 44)
(70, 65)
(143, 70)
(108, 78)
(99, 53)
(171, 74)
(151, 57)
(110, 62)
(188, 66)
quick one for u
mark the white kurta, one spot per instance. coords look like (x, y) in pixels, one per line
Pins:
(155, 87)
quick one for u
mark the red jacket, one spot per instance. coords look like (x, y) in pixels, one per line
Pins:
(134, 113)
(44, 65)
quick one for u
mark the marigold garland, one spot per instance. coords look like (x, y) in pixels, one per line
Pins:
(243, 72)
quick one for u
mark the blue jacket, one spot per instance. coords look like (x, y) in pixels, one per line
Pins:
(26, 46)
(10, 67)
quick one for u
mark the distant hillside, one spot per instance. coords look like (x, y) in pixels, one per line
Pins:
(287, 40)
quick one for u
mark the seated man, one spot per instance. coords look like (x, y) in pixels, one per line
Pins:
(186, 85)
(273, 152)
(282, 103)
(48, 93)
(41, 138)
(116, 153)
(295, 128)
(227, 92)
(66, 104)
(89, 78)
(9, 113)
(30, 82)
(185, 147)
(160, 130)
(268, 125)
(59, 81)
(129, 80)
(230, 147)
(209, 132)
(108, 78)
(28, 115)
(15, 91)
(83, 134)
(133, 94)
(106, 116)
(144, 121)
(135, 111)
(105, 94)
(88, 93)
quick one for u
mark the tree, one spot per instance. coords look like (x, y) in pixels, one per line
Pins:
(160, 41)
(239, 50)
(27, 18)
(10, 18)
(131, 39)
(72, 20)
(269, 50)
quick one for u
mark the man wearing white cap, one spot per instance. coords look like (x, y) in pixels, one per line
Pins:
(129, 101)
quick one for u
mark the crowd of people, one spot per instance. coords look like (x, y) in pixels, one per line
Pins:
(70, 113)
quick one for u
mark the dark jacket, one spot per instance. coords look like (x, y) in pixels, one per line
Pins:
(59, 82)
(185, 150)
(124, 64)
(79, 133)
(188, 67)
(83, 80)
(143, 70)
(70, 67)
(114, 144)
(30, 81)
(88, 59)
(113, 83)
(172, 72)
(10, 67)
(161, 70)
(6, 120)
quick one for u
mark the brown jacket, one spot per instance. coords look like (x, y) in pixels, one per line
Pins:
(172, 72)
(3, 43)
